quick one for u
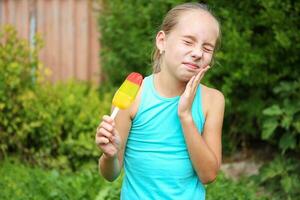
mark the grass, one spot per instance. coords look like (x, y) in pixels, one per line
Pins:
(19, 181)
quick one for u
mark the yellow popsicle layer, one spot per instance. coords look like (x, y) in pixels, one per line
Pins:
(125, 95)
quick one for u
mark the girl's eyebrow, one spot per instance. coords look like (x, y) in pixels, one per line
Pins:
(195, 39)
(190, 37)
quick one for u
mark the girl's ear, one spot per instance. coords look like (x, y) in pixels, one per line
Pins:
(161, 40)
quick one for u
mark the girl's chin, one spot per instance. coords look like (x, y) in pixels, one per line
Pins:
(186, 77)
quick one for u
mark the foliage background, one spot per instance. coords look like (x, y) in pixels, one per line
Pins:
(257, 67)
(47, 130)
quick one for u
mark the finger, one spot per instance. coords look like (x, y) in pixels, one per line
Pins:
(205, 70)
(114, 140)
(190, 83)
(201, 74)
(106, 126)
(202, 70)
(108, 119)
(196, 80)
(102, 140)
(105, 133)
(206, 67)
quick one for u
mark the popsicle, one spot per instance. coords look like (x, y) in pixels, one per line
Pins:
(126, 94)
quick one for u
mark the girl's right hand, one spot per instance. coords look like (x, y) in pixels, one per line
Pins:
(107, 137)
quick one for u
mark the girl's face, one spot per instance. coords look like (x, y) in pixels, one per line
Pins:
(190, 45)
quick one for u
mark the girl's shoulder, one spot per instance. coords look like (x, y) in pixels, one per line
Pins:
(211, 93)
(211, 97)
(135, 105)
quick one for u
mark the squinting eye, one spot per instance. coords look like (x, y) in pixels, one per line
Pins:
(187, 42)
(208, 50)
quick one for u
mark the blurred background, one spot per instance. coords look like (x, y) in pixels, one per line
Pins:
(62, 60)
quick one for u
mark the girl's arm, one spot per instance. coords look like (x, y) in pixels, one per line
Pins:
(204, 149)
(111, 161)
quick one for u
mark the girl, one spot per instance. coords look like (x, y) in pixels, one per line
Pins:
(169, 140)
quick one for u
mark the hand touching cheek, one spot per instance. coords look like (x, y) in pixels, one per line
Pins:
(187, 98)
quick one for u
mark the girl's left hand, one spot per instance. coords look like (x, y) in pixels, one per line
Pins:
(187, 98)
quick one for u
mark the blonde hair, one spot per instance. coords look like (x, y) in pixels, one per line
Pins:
(171, 20)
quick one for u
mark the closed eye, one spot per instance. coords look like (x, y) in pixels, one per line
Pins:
(189, 43)
(208, 49)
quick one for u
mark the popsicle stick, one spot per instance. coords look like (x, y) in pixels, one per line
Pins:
(115, 112)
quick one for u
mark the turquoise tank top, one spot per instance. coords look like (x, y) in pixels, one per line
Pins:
(156, 160)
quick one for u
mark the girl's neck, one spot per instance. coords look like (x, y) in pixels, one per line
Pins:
(167, 85)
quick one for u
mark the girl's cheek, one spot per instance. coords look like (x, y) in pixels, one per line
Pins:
(185, 52)
(208, 57)
(181, 51)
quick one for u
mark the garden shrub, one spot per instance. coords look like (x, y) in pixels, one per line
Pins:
(282, 119)
(281, 178)
(18, 72)
(243, 189)
(47, 124)
(19, 182)
(23, 182)
(256, 57)
(60, 123)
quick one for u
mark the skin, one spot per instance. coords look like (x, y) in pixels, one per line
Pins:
(186, 54)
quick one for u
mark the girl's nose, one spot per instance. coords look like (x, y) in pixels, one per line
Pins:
(197, 53)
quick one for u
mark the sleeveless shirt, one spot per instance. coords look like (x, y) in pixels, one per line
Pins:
(156, 159)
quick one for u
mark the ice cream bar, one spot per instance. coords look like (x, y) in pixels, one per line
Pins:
(126, 94)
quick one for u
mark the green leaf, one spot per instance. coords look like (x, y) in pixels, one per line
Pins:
(268, 129)
(272, 170)
(287, 141)
(287, 184)
(296, 125)
(274, 110)
(286, 121)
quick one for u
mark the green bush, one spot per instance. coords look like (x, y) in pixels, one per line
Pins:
(48, 124)
(260, 48)
(21, 182)
(244, 189)
(60, 121)
(18, 71)
(281, 178)
(282, 119)
(259, 52)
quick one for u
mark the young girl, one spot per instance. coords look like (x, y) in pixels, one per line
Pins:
(169, 140)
